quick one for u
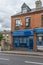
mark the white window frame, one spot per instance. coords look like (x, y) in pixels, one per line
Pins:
(17, 22)
(24, 10)
(27, 21)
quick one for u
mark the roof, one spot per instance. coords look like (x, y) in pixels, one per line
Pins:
(25, 5)
(31, 11)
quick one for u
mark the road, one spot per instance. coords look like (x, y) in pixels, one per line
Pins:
(13, 59)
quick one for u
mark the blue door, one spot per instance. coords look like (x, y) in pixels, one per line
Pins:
(31, 43)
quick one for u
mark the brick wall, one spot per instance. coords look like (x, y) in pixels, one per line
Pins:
(34, 23)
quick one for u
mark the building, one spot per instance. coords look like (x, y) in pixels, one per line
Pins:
(27, 28)
(6, 35)
(6, 38)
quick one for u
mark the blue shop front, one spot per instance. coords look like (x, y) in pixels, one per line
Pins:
(39, 38)
(23, 39)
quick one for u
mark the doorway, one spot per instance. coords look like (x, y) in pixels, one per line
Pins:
(31, 43)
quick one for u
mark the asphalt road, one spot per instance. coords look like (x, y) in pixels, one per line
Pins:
(13, 59)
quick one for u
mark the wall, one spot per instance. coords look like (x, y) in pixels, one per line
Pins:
(35, 22)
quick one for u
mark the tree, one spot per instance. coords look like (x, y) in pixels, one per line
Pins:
(1, 36)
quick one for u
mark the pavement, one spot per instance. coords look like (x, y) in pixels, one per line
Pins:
(23, 53)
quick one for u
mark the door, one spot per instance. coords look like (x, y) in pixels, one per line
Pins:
(30, 43)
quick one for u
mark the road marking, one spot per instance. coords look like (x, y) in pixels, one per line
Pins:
(4, 59)
(36, 56)
(33, 62)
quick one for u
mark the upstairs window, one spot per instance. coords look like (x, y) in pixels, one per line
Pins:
(28, 22)
(17, 22)
(24, 10)
(42, 19)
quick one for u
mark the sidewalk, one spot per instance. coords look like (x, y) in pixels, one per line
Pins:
(23, 53)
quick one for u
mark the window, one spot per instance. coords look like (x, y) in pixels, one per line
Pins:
(28, 22)
(17, 22)
(40, 38)
(42, 20)
(24, 10)
(3, 35)
(24, 40)
(7, 35)
(21, 40)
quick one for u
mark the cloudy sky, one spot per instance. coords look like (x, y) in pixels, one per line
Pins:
(11, 7)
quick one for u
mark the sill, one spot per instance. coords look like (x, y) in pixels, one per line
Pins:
(27, 27)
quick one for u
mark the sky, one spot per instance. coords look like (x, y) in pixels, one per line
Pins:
(9, 8)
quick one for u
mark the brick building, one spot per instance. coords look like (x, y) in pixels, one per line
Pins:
(27, 28)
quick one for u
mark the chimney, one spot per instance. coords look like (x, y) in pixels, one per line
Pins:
(38, 4)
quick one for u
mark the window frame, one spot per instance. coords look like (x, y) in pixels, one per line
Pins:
(42, 19)
(24, 10)
(29, 18)
(17, 27)
(16, 22)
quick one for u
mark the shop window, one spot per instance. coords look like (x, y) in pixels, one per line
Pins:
(24, 40)
(39, 38)
(21, 40)
(28, 22)
(16, 40)
(42, 19)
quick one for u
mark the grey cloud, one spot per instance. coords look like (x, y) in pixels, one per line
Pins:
(11, 7)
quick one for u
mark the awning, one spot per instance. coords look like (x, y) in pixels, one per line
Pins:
(23, 32)
(39, 30)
